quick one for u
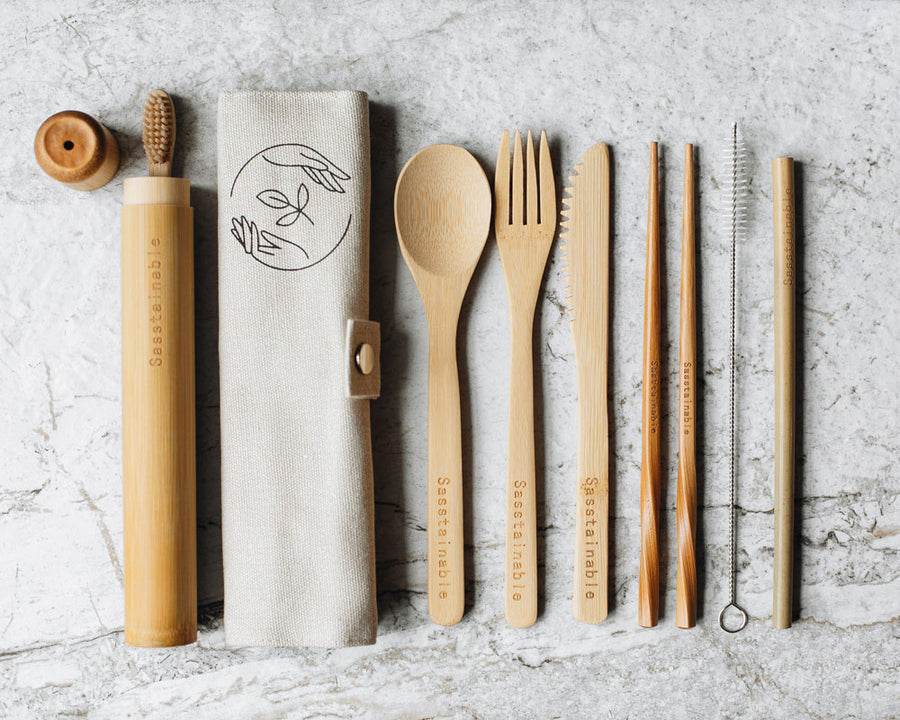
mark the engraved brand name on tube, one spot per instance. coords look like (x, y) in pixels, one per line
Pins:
(590, 488)
(687, 408)
(787, 229)
(443, 542)
(517, 528)
(155, 279)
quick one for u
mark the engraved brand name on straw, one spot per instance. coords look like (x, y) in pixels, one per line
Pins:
(518, 534)
(787, 215)
(443, 549)
(591, 568)
(155, 305)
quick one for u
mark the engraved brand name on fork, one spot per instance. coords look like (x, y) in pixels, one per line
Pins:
(590, 569)
(443, 543)
(155, 280)
(517, 528)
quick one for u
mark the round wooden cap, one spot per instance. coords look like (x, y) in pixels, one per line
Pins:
(75, 149)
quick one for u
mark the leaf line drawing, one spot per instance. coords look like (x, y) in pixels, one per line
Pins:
(278, 200)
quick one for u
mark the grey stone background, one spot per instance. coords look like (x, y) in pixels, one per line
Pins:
(814, 80)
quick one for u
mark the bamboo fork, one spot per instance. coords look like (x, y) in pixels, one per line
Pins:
(648, 586)
(686, 499)
(524, 236)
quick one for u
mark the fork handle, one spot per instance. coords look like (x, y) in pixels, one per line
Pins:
(521, 506)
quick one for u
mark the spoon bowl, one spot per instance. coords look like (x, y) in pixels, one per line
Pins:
(442, 209)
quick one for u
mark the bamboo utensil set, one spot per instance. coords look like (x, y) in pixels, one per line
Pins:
(438, 201)
(442, 209)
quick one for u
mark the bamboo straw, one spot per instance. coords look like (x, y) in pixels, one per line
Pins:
(783, 198)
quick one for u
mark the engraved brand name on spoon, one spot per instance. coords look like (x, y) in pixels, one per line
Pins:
(443, 544)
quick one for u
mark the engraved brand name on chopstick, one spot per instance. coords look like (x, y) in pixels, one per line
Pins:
(590, 489)
(787, 229)
(443, 542)
(687, 407)
(518, 536)
(155, 306)
(654, 397)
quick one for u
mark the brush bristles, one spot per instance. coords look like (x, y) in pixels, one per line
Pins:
(734, 184)
(159, 132)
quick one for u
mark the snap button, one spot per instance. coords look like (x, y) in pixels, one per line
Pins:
(365, 358)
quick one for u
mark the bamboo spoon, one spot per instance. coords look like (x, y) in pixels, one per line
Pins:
(442, 209)
(524, 241)
(686, 499)
(783, 194)
(648, 586)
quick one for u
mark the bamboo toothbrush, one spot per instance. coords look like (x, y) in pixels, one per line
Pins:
(648, 585)
(158, 425)
(783, 200)
(686, 498)
(585, 230)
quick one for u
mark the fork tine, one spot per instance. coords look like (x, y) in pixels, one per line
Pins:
(518, 193)
(501, 183)
(548, 187)
(531, 182)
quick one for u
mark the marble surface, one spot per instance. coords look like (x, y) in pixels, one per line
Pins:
(814, 80)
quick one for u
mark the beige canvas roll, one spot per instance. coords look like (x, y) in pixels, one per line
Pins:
(297, 502)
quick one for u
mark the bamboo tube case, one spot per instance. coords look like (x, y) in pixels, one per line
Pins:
(158, 412)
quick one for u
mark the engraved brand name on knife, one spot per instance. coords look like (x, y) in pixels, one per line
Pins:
(590, 569)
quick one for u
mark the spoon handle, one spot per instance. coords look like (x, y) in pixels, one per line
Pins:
(446, 582)
(521, 512)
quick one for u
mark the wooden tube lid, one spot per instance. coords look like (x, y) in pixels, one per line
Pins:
(75, 149)
(157, 191)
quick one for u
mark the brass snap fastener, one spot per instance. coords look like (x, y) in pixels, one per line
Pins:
(365, 358)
